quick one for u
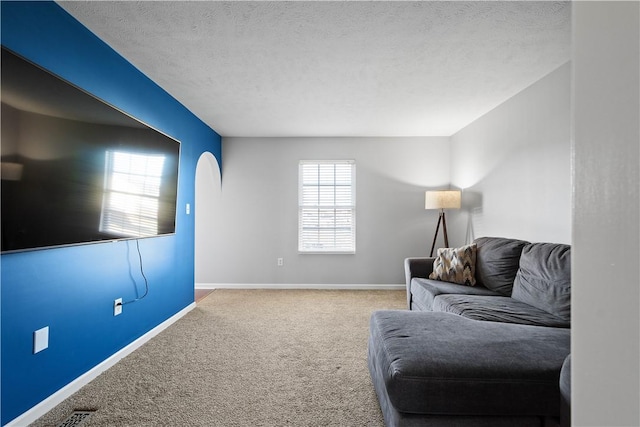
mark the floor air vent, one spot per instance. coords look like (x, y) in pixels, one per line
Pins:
(76, 419)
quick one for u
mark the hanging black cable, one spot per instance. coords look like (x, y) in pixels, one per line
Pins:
(146, 283)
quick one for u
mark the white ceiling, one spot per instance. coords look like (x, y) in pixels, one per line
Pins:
(336, 68)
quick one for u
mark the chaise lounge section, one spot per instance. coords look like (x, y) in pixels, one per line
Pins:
(483, 355)
(439, 369)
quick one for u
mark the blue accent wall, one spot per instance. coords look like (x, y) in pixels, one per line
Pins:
(72, 289)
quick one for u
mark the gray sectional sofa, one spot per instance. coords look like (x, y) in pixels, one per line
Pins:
(483, 355)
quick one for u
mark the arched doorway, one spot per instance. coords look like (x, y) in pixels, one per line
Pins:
(207, 199)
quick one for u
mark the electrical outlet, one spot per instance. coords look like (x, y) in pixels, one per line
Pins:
(280, 262)
(117, 307)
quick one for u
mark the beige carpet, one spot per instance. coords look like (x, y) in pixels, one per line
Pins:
(247, 358)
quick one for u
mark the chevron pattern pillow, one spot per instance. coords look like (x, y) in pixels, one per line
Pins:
(456, 265)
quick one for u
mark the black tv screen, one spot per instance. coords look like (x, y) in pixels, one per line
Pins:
(75, 169)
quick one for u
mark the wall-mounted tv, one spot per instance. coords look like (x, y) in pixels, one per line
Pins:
(76, 170)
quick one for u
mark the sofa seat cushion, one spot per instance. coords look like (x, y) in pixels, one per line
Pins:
(440, 363)
(424, 291)
(496, 309)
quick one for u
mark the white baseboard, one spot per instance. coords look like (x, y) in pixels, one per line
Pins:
(364, 287)
(59, 396)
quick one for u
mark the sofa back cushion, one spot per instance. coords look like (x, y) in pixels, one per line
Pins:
(544, 278)
(497, 261)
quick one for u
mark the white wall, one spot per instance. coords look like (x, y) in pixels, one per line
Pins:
(606, 217)
(514, 166)
(256, 219)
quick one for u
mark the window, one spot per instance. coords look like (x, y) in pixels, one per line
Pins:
(327, 207)
(131, 194)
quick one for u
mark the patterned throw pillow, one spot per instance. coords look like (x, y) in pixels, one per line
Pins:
(457, 265)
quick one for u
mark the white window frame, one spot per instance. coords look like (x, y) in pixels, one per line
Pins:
(316, 199)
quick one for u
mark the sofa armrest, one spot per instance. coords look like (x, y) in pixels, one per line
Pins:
(416, 267)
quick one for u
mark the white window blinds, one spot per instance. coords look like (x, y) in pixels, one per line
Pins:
(327, 207)
(132, 185)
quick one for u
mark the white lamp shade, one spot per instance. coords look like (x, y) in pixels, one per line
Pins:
(449, 199)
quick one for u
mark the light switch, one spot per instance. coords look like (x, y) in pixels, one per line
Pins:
(40, 339)
(188, 209)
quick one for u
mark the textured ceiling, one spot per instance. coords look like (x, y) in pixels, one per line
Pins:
(336, 68)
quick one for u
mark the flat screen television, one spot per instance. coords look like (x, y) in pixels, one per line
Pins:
(75, 169)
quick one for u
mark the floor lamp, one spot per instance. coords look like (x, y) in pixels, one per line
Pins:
(441, 200)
